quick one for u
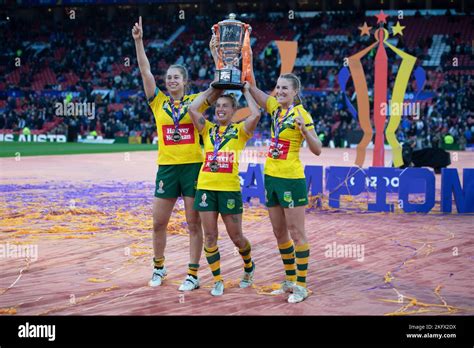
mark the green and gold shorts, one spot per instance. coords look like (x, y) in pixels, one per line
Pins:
(177, 180)
(224, 202)
(288, 193)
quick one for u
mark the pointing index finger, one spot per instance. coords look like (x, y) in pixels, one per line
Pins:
(140, 21)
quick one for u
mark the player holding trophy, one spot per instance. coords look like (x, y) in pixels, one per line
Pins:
(218, 188)
(179, 160)
(285, 184)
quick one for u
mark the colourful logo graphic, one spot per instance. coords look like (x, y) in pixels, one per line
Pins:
(382, 107)
(231, 203)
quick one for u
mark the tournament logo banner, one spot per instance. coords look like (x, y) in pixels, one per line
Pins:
(382, 106)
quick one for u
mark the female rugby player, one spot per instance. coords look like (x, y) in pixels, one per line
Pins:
(218, 188)
(179, 159)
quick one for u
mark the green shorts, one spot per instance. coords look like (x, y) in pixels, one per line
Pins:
(177, 180)
(288, 193)
(224, 202)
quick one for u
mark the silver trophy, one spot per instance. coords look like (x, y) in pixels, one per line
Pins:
(230, 36)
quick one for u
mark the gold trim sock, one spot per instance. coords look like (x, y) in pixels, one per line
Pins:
(159, 263)
(193, 270)
(246, 256)
(302, 257)
(287, 252)
(213, 258)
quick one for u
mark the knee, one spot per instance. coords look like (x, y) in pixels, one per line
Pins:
(279, 232)
(194, 225)
(299, 239)
(210, 239)
(297, 233)
(237, 239)
(298, 236)
(159, 226)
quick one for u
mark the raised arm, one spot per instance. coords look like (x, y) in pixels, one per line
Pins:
(149, 83)
(310, 135)
(196, 116)
(251, 121)
(259, 96)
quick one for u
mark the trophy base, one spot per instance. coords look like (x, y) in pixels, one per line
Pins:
(228, 78)
(227, 85)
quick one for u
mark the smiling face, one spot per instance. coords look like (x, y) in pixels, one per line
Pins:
(225, 109)
(285, 91)
(175, 81)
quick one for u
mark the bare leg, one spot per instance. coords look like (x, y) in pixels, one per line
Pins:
(162, 208)
(233, 224)
(285, 245)
(209, 224)
(295, 224)
(278, 220)
(195, 231)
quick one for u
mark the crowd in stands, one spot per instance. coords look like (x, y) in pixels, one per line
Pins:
(95, 53)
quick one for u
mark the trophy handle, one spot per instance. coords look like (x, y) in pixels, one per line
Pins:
(215, 31)
(246, 34)
(245, 53)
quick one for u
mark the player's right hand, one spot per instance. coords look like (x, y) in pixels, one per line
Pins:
(213, 44)
(137, 31)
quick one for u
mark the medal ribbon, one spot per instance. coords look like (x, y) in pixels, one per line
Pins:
(176, 112)
(277, 123)
(218, 139)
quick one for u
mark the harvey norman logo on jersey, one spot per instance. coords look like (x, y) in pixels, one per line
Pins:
(33, 138)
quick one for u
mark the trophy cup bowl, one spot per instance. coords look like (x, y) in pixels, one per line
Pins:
(231, 34)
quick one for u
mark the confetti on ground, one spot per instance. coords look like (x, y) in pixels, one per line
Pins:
(92, 233)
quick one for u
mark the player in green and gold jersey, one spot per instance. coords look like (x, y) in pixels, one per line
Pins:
(285, 184)
(218, 189)
(179, 159)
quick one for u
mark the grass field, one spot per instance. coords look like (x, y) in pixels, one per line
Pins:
(10, 149)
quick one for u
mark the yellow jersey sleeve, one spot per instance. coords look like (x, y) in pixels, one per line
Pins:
(272, 105)
(157, 100)
(308, 120)
(207, 128)
(242, 133)
(204, 105)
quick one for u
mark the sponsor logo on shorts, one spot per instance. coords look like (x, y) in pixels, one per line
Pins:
(230, 203)
(160, 187)
(302, 200)
(203, 201)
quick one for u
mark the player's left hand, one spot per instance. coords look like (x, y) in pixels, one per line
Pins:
(299, 120)
(213, 44)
